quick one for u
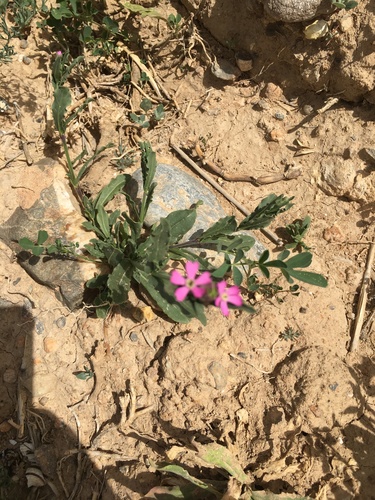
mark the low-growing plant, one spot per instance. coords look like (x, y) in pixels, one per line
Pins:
(136, 257)
(150, 116)
(290, 334)
(297, 231)
(231, 480)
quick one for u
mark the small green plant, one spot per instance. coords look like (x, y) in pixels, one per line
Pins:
(231, 480)
(124, 159)
(85, 374)
(147, 119)
(174, 21)
(345, 4)
(297, 231)
(290, 334)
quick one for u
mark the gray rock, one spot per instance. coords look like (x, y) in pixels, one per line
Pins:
(177, 190)
(292, 11)
(56, 213)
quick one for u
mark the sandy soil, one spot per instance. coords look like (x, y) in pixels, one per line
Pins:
(297, 414)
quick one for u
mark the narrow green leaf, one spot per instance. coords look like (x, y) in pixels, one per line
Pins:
(276, 263)
(143, 11)
(180, 222)
(219, 456)
(181, 472)
(103, 221)
(303, 259)
(62, 99)
(109, 191)
(237, 276)
(155, 247)
(243, 241)
(119, 282)
(225, 225)
(308, 277)
(266, 211)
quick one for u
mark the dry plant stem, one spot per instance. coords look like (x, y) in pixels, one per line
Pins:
(225, 193)
(145, 70)
(362, 299)
(25, 147)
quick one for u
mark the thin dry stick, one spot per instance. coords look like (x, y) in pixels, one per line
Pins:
(362, 299)
(142, 67)
(221, 190)
(25, 147)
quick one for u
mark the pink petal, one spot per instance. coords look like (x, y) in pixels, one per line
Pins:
(191, 269)
(198, 292)
(221, 286)
(236, 300)
(176, 278)
(203, 279)
(224, 308)
(181, 293)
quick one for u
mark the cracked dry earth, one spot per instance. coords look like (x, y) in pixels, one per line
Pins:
(297, 414)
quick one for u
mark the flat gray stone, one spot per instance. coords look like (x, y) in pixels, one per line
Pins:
(56, 213)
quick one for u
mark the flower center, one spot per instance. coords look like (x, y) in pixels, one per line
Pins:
(190, 283)
(224, 296)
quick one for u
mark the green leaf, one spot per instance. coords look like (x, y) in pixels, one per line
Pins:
(219, 456)
(237, 276)
(42, 237)
(266, 211)
(181, 472)
(180, 222)
(264, 257)
(119, 281)
(308, 277)
(303, 259)
(99, 281)
(243, 241)
(148, 165)
(146, 105)
(61, 100)
(27, 244)
(221, 271)
(109, 191)
(225, 225)
(143, 11)
(155, 247)
(276, 263)
(159, 113)
(264, 270)
(103, 221)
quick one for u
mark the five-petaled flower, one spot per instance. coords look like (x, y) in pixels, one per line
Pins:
(192, 283)
(227, 295)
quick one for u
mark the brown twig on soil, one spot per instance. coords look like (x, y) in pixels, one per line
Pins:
(25, 147)
(270, 235)
(265, 179)
(362, 301)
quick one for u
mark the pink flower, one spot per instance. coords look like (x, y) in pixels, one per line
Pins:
(227, 295)
(193, 284)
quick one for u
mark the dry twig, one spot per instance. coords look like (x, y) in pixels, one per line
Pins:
(362, 301)
(270, 235)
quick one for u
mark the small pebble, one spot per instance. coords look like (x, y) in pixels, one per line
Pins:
(334, 386)
(263, 105)
(133, 337)
(242, 355)
(26, 60)
(49, 344)
(23, 44)
(61, 322)
(279, 116)
(307, 109)
(224, 70)
(303, 310)
(39, 327)
(218, 373)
